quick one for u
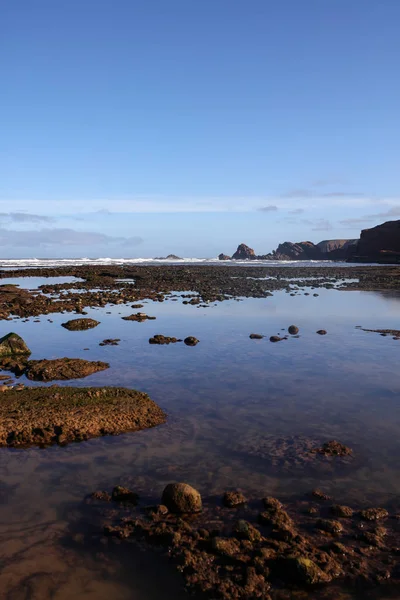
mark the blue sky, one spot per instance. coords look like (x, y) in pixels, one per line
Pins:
(142, 128)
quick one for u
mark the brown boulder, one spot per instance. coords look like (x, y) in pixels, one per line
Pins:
(181, 498)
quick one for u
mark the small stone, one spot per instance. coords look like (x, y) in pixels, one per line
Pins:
(233, 499)
(301, 570)
(159, 510)
(225, 546)
(245, 531)
(293, 329)
(342, 511)
(373, 514)
(256, 336)
(124, 495)
(329, 526)
(162, 339)
(270, 502)
(191, 341)
(181, 498)
(275, 338)
(317, 493)
(322, 332)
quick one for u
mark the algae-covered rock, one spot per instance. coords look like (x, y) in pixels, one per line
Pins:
(40, 416)
(243, 530)
(181, 498)
(12, 344)
(301, 570)
(62, 369)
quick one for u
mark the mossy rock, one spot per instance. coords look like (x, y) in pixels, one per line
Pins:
(13, 344)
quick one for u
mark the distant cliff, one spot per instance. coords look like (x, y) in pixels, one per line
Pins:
(325, 250)
(380, 244)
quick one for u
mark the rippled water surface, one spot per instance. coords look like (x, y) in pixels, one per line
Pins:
(241, 413)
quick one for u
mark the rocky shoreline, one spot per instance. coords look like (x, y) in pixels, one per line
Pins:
(235, 547)
(41, 416)
(103, 285)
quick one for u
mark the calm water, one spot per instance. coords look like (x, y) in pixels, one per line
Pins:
(240, 412)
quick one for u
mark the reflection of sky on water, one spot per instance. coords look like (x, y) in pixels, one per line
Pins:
(32, 283)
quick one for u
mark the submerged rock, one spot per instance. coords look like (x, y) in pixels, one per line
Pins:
(322, 332)
(80, 324)
(333, 448)
(110, 342)
(139, 317)
(301, 570)
(12, 344)
(232, 499)
(256, 336)
(293, 329)
(122, 494)
(243, 530)
(342, 511)
(62, 368)
(162, 339)
(181, 498)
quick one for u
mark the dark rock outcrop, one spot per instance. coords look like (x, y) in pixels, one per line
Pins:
(13, 344)
(297, 251)
(223, 256)
(325, 250)
(338, 249)
(244, 252)
(380, 244)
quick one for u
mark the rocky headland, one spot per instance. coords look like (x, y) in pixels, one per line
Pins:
(379, 244)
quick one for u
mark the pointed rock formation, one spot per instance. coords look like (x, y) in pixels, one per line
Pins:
(244, 252)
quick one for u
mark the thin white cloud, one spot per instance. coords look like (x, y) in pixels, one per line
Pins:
(61, 237)
(24, 217)
(103, 208)
(296, 211)
(268, 209)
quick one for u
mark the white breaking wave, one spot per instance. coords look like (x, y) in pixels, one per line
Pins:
(19, 263)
